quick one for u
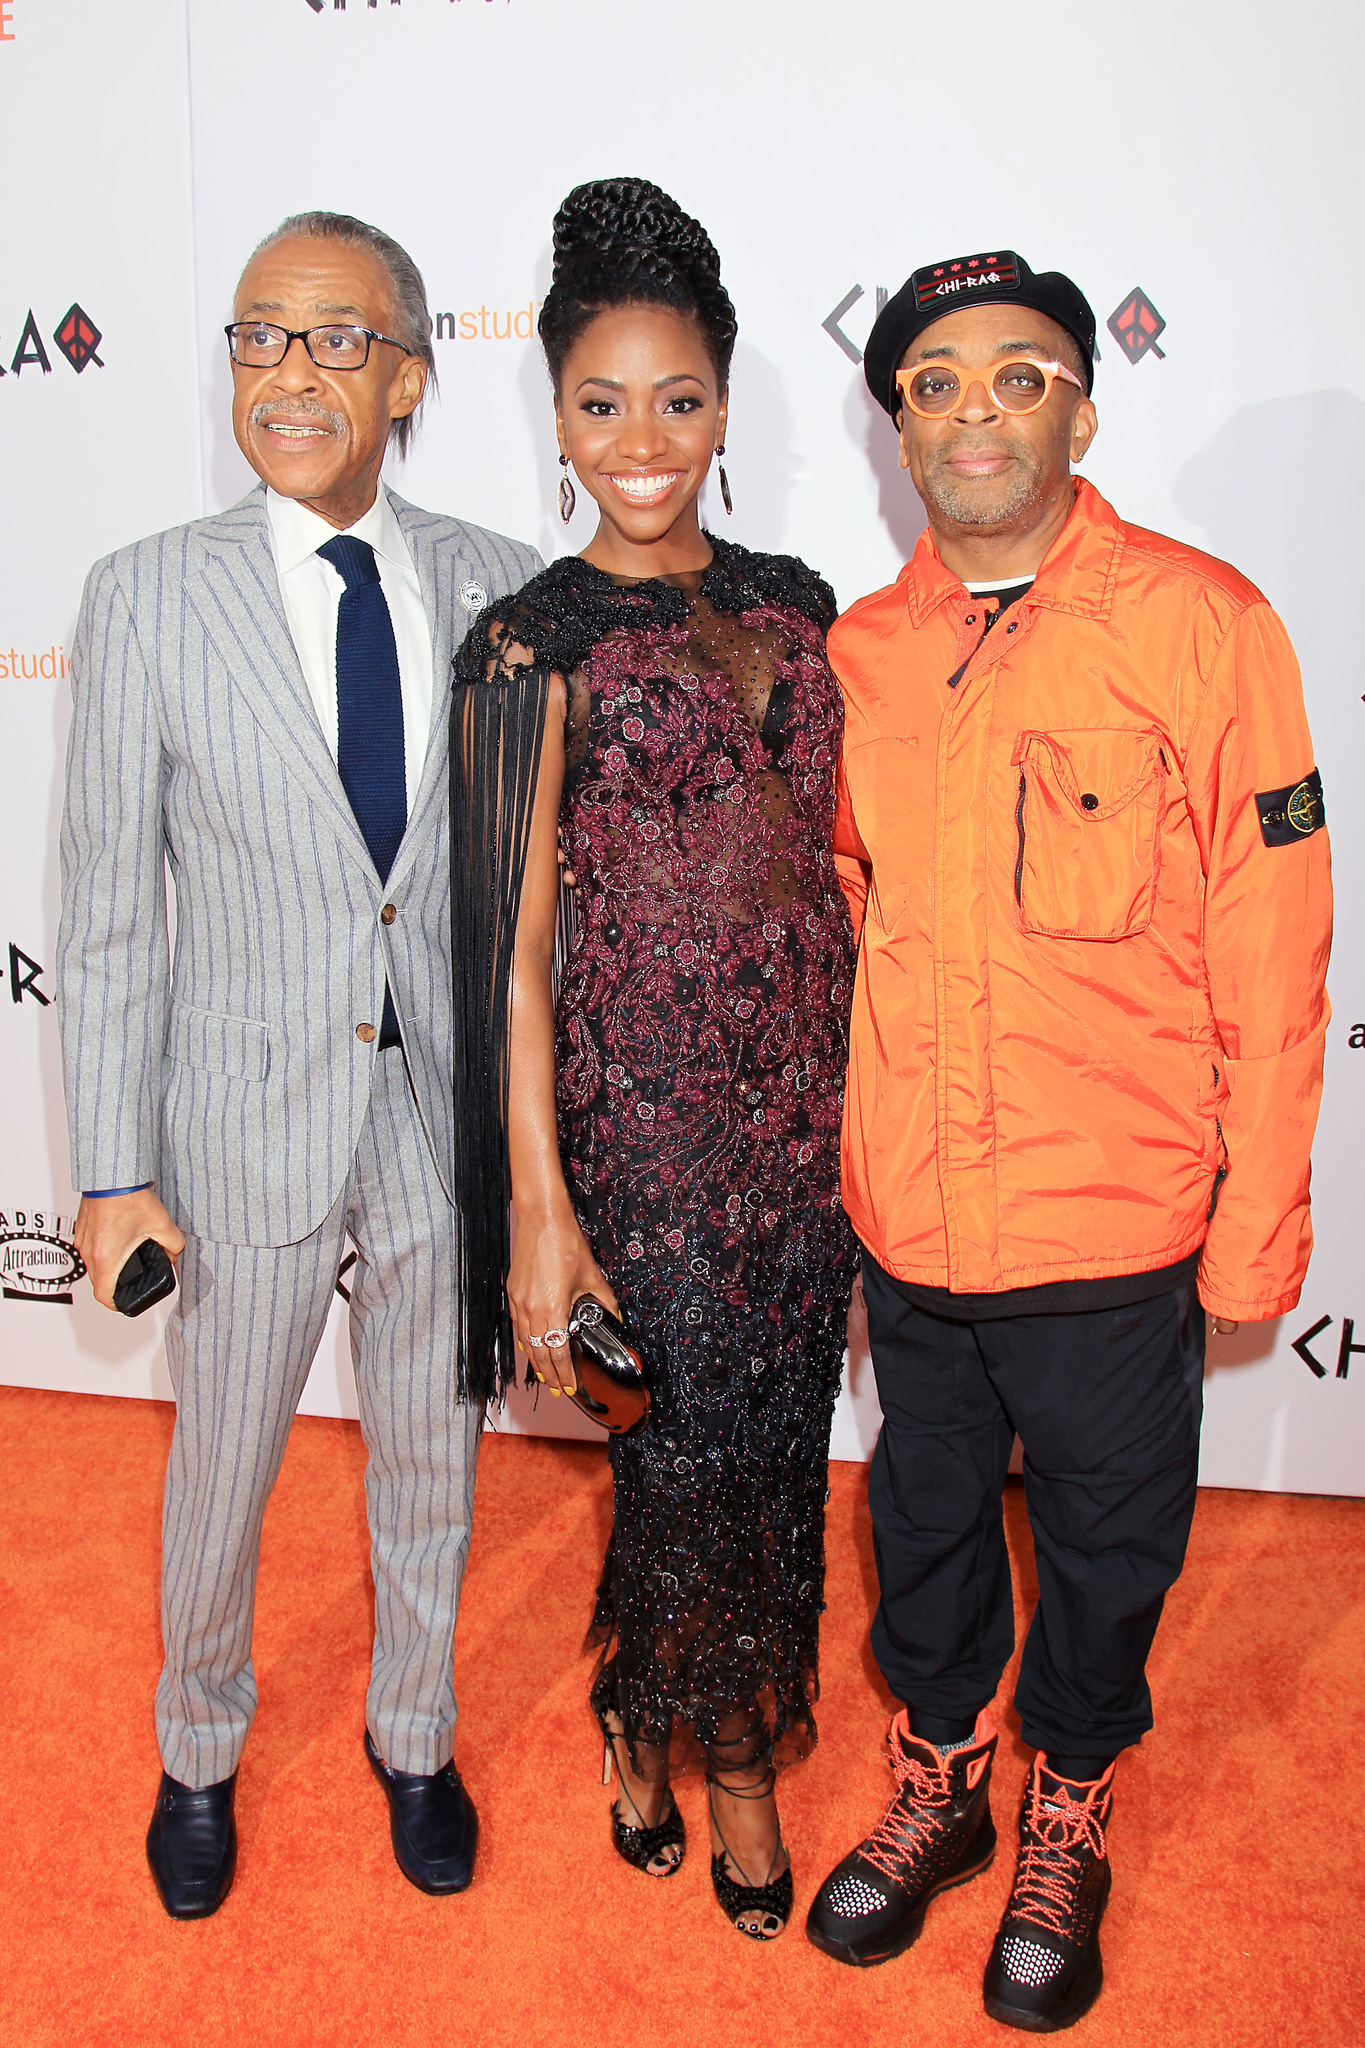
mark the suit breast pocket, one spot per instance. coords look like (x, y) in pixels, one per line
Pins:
(236, 1047)
(1088, 814)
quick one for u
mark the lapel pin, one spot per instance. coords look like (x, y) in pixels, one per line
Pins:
(473, 597)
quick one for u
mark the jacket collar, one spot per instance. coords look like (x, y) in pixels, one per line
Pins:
(1077, 575)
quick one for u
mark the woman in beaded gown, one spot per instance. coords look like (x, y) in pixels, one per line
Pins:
(663, 702)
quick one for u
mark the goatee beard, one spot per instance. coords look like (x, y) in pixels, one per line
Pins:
(965, 503)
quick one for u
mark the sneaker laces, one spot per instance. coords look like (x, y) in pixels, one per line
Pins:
(910, 1822)
(1052, 1862)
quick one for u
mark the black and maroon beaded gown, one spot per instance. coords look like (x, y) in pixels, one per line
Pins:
(701, 1043)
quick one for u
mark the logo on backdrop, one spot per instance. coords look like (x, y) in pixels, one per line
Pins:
(7, 34)
(1345, 1348)
(509, 323)
(830, 323)
(334, 6)
(24, 975)
(1135, 325)
(38, 1261)
(47, 664)
(75, 336)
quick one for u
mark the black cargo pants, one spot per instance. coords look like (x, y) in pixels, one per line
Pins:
(1108, 1406)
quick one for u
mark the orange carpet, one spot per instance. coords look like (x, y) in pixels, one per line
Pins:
(1237, 1841)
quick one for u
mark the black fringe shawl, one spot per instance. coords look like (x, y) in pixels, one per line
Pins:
(501, 687)
(497, 719)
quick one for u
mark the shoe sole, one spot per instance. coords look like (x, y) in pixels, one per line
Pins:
(911, 1934)
(1026, 2022)
(192, 1912)
(434, 1891)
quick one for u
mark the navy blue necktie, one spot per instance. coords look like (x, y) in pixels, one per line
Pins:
(370, 757)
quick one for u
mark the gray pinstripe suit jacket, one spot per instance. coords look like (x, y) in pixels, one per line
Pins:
(234, 1078)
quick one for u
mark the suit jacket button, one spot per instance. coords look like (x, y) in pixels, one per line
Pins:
(366, 1033)
(388, 914)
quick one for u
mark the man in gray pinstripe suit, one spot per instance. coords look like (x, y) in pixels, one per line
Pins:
(262, 698)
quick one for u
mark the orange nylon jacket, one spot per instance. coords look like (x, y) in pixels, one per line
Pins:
(1094, 909)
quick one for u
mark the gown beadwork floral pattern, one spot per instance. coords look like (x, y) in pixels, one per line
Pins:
(701, 1044)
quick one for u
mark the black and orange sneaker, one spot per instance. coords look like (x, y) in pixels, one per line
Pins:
(1045, 1969)
(936, 1832)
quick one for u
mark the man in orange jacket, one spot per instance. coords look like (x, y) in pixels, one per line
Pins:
(1079, 829)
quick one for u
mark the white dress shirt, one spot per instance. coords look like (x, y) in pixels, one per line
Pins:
(312, 595)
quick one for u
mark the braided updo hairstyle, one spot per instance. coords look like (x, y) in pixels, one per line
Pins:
(623, 242)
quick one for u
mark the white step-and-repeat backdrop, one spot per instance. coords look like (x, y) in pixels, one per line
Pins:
(1194, 169)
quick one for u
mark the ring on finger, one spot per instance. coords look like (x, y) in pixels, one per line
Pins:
(535, 1343)
(556, 1337)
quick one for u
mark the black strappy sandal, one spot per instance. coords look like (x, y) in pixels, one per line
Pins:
(770, 1902)
(642, 1846)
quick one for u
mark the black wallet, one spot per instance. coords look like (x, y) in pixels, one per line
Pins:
(611, 1387)
(147, 1276)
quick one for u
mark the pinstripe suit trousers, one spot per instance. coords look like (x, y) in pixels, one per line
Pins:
(246, 1326)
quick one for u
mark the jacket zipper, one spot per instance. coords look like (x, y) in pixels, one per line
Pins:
(1019, 824)
(1218, 1180)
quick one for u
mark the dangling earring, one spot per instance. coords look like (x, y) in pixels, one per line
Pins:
(567, 500)
(725, 497)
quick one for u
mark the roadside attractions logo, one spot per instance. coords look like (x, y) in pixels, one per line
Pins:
(75, 336)
(38, 1260)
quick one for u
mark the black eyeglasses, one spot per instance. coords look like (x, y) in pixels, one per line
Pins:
(257, 345)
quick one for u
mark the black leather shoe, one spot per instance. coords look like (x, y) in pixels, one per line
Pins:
(192, 1846)
(432, 1821)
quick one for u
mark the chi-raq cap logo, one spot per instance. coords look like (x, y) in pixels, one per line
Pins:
(964, 275)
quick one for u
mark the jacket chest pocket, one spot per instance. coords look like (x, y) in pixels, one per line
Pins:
(1088, 808)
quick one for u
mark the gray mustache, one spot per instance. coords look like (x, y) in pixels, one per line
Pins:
(317, 415)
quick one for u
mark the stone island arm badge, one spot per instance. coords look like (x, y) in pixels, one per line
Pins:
(1293, 813)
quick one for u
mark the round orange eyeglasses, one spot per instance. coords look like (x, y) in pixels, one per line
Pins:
(1019, 384)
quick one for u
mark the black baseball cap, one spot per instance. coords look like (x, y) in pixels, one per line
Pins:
(959, 281)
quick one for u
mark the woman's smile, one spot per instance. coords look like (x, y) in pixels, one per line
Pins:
(645, 487)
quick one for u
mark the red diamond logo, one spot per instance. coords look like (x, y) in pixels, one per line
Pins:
(78, 337)
(1136, 324)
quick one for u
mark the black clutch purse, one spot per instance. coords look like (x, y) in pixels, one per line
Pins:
(611, 1387)
(146, 1275)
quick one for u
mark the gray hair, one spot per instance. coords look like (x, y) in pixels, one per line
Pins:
(412, 316)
